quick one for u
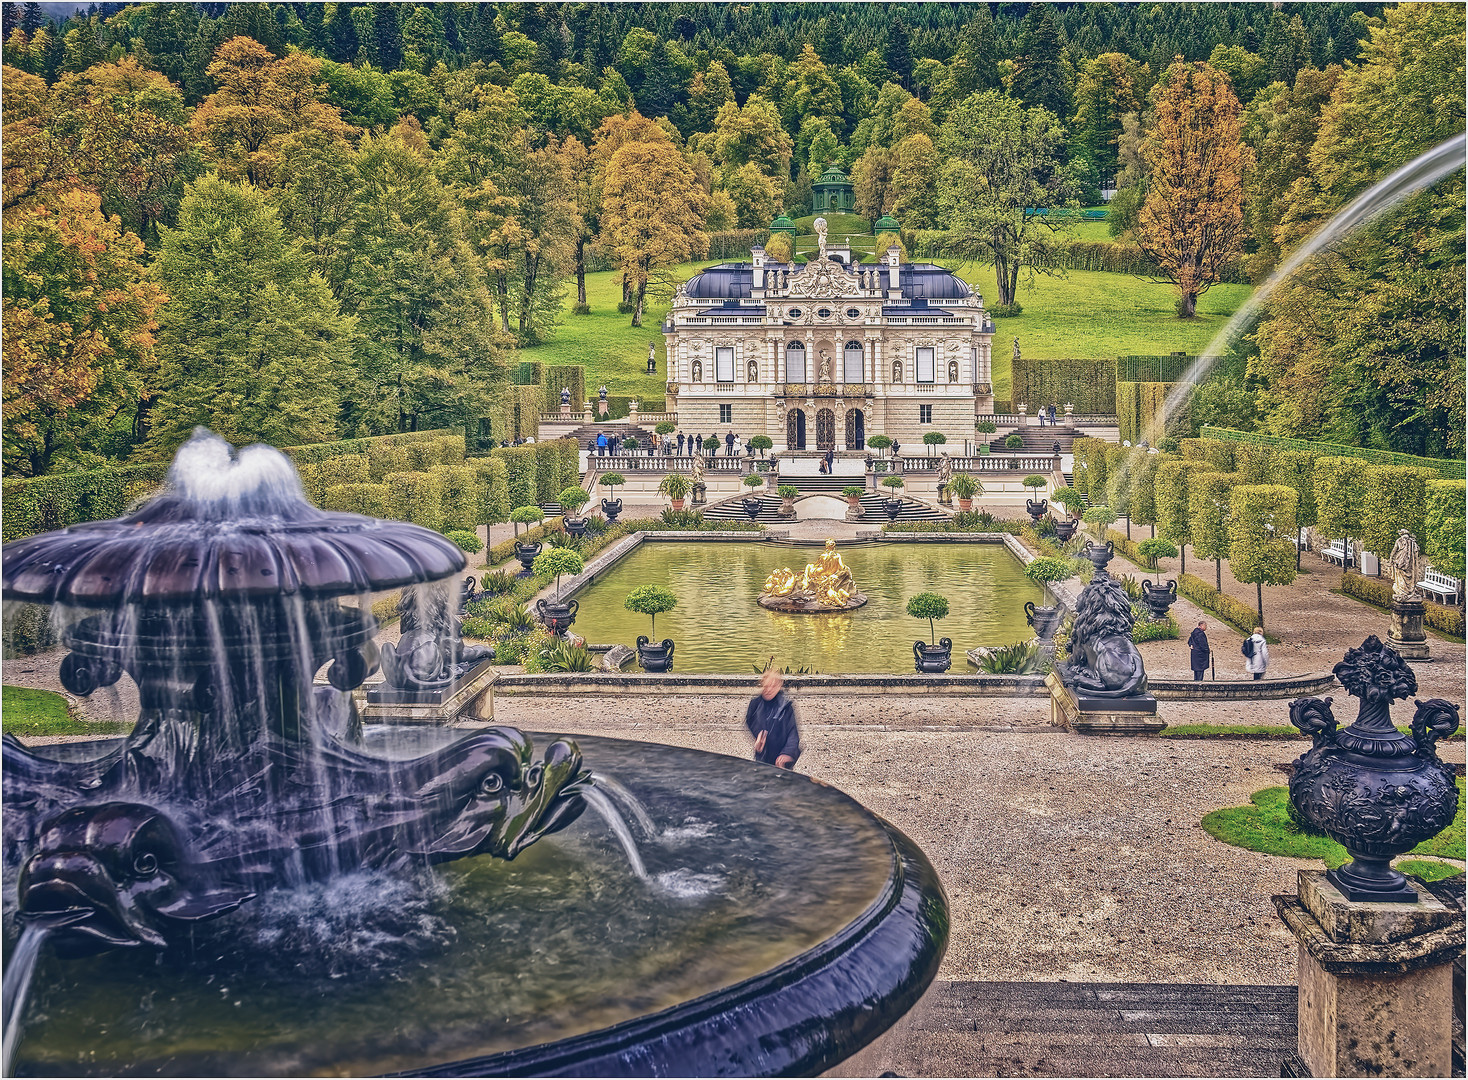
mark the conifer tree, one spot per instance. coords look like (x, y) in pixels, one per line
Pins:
(1039, 77)
(898, 52)
(250, 343)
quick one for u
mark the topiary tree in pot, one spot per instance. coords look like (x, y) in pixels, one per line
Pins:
(936, 657)
(652, 600)
(894, 485)
(1098, 517)
(712, 444)
(964, 487)
(1069, 498)
(1014, 442)
(676, 487)
(1155, 549)
(934, 438)
(879, 442)
(853, 495)
(667, 427)
(557, 615)
(761, 443)
(612, 507)
(572, 499)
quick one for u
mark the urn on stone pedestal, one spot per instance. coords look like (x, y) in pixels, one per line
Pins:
(1098, 554)
(611, 508)
(654, 658)
(1044, 621)
(526, 554)
(933, 659)
(1374, 790)
(752, 507)
(575, 526)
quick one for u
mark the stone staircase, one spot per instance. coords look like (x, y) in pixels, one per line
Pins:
(1038, 440)
(586, 434)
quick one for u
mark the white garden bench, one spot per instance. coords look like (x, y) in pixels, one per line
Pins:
(1440, 584)
(1336, 552)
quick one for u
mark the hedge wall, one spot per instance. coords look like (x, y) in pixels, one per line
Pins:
(528, 373)
(1445, 526)
(492, 479)
(1396, 497)
(520, 473)
(735, 243)
(44, 503)
(547, 472)
(1214, 452)
(415, 497)
(369, 499)
(384, 458)
(1447, 620)
(1137, 405)
(1166, 369)
(460, 502)
(570, 376)
(311, 453)
(1255, 464)
(1088, 384)
(1446, 469)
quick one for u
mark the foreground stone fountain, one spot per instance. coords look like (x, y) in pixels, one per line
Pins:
(255, 882)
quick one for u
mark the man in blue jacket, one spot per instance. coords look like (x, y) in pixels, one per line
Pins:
(771, 720)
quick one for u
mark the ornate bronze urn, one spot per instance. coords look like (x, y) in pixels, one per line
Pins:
(1159, 598)
(526, 554)
(557, 617)
(1066, 529)
(1036, 510)
(1371, 788)
(1044, 621)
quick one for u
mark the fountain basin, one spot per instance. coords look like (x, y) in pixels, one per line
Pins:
(779, 928)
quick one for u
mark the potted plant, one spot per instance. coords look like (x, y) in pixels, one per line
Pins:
(931, 659)
(788, 494)
(932, 439)
(879, 442)
(526, 553)
(612, 507)
(893, 505)
(753, 504)
(630, 443)
(761, 443)
(667, 427)
(572, 499)
(985, 427)
(1099, 516)
(1069, 498)
(1156, 549)
(1014, 442)
(1044, 571)
(676, 487)
(853, 495)
(652, 600)
(964, 487)
(556, 615)
(712, 444)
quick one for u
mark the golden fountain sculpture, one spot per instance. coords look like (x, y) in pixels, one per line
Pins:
(825, 585)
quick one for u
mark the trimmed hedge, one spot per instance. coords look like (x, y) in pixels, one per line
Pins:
(313, 453)
(461, 501)
(1239, 615)
(1256, 464)
(1090, 385)
(370, 499)
(1445, 527)
(571, 377)
(1446, 469)
(520, 464)
(1396, 498)
(1447, 620)
(388, 457)
(547, 472)
(492, 479)
(416, 497)
(1138, 405)
(44, 503)
(1155, 369)
(1216, 452)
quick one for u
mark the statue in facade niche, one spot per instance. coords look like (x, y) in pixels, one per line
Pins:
(823, 372)
(1406, 560)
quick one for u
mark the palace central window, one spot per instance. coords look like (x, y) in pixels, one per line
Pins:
(925, 360)
(726, 414)
(724, 365)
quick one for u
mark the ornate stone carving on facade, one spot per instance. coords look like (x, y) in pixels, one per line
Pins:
(822, 279)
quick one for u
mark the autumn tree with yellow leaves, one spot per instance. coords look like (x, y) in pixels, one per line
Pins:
(1192, 223)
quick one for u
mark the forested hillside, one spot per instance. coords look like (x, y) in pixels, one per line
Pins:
(303, 221)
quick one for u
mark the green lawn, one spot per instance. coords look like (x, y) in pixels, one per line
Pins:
(1087, 313)
(1265, 825)
(40, 712)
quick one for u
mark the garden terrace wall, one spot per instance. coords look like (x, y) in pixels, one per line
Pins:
(1447, 469)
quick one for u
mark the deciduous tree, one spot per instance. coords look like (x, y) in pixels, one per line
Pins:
(1191, 224)
(1261, 521)
(1208, 512)
(79, 318)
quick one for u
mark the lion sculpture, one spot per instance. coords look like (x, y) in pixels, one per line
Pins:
(1103, 660)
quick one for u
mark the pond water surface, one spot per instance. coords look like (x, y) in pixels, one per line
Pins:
(718, 627)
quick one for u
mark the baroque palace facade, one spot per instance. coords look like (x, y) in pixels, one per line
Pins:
(828, 354)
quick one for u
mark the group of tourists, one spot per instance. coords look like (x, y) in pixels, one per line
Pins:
(1047, 412)
(1255, 650)
(667, 445)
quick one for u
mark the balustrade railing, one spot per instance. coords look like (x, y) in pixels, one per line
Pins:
(660, 462)
(984, 463)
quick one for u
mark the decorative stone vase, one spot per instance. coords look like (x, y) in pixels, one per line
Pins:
(1374, 790)
(1099, 554)
(893, 508)
(611, 508)
(575, 526)
(1159, 598)
(854, 501)
(933, 659)
(1044, 621)
(655, 659)
(556, 616)
(787, 507)
(1066, 529)
(526, 554)
(752, 507)
(1037, 510)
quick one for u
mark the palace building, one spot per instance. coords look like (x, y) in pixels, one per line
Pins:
(827, 354)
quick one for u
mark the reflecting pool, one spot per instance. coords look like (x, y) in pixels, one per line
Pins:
(719, 627)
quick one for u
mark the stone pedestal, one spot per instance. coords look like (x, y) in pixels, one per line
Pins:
(1135, 715)
(469, 698)
(1376, 986)
(1407, 637)
(586, 412)
(601, 407)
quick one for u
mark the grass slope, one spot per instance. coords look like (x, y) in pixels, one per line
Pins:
(1087, 313)
(29, 712)
(1265, 825)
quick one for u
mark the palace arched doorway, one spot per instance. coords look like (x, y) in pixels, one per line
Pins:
(825, 430)
(856, 430)
(795, 429)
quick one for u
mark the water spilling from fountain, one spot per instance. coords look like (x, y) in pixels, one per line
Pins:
(254, 882)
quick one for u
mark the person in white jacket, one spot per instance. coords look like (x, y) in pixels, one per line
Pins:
(1257, 655)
